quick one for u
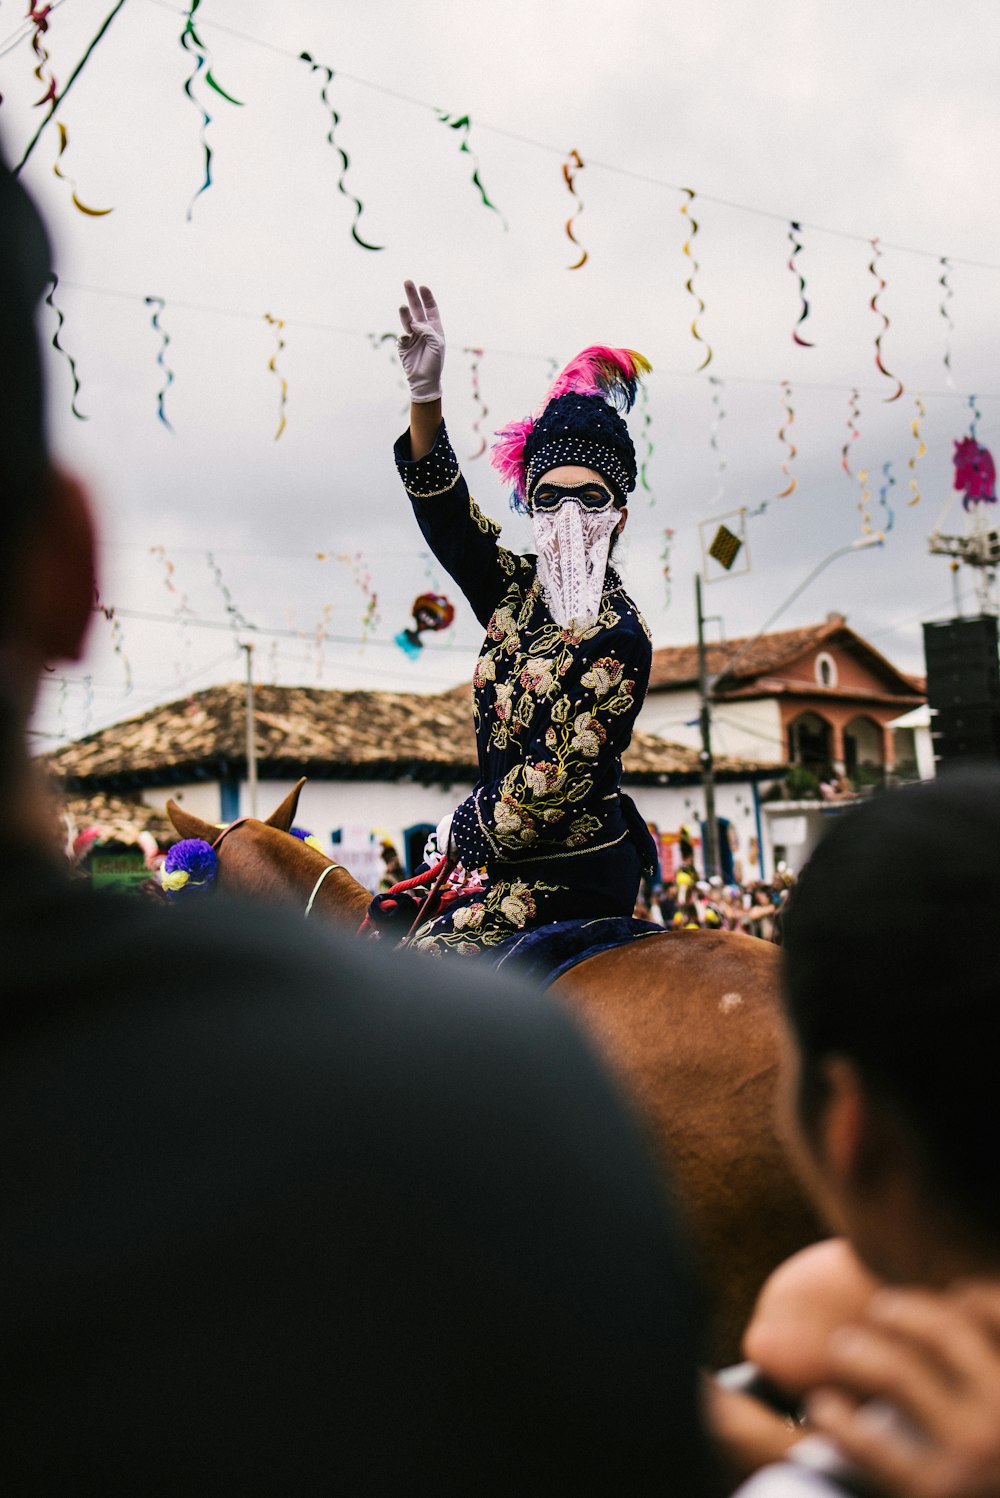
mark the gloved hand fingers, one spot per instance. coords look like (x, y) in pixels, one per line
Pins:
(415, 304)
(406, 318)
(432, 312)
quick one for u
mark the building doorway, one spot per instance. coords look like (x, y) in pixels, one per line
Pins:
(809, 744)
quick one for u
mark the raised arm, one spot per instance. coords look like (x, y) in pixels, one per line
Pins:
(421, 352)
(462, 538)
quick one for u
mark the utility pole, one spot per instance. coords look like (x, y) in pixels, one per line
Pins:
(711, 849)
(251, 734)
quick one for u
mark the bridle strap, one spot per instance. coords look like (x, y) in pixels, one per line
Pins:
(319, 884)
(231, 828)
(443, 871)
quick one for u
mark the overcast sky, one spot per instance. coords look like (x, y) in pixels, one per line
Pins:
(856, 120)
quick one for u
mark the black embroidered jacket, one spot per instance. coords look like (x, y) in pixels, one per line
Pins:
(553, 711)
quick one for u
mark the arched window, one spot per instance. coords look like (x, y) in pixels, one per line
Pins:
(826, 670)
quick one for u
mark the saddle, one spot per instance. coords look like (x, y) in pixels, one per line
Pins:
(544, 953)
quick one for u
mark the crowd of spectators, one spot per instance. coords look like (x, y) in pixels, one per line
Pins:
(688, 902)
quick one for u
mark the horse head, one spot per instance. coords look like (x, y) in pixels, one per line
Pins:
(261, 860)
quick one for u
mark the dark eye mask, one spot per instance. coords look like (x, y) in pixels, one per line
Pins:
(588, 495)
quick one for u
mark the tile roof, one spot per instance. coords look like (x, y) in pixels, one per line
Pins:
(116, 818)
(319, 732)
(677, 665)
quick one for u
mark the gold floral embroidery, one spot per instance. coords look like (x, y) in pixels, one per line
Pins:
(504, 705)
(588, 737)
(603, 675)
(485, 524)
(508, 907)
(534, 667)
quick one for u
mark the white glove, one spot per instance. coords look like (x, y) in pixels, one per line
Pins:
(421, 344)
(443, 835)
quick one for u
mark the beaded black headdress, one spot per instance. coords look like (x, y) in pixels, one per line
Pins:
(579, 422)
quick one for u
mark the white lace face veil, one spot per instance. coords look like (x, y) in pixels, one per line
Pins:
(572, 545)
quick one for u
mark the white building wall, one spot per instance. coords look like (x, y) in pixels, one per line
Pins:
(868, 738)
(749, 730)
(378, 808)
(201, 798)
(670, 807)
(924, 745)
(383, 807)
(740, 730)
(673, 716)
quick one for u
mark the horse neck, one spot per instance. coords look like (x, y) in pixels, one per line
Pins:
(265, 864)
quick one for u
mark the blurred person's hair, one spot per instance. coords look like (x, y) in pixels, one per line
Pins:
(871, 975)
(24, 462)
(25, 261)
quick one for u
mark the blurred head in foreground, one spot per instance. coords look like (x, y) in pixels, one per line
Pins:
(894, 1026)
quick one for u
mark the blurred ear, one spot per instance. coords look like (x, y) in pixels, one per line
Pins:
(856, 1139)
(188, 825)
(622, 523)
(57, 579)
(284, 815)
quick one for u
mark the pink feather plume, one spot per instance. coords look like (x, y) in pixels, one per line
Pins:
(612, 373)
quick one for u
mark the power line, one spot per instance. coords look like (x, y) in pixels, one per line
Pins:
(676, 374)
(325, 636)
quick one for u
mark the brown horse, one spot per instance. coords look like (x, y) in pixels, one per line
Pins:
(688, 1021)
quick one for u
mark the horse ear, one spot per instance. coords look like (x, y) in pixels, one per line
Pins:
(188, 825)
(285, 814)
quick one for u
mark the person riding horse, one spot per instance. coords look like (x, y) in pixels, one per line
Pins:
(564, 667)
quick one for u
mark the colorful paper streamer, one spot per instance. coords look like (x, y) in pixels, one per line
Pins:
(572, 166)
(38, 15)
(345, 161)
(60, 97)
(195, 47)
(879, 363)
(475, 354)
(694, 268)
(945, 310)
(278, 325)
(157, 303)
(58, 171)
(888, 483)
(786, 467)
(794, 230)
(975, 473)
(237, 618)
(319, 640)
(463, 125)
(853, 433)
(921, 451)
(183, 612)
(117, 637)
(975, 415)
(362, 578)
(51, 302)
(665, 551)
(864, 503)
(718, 417)
(647, 441)
(182, 606)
